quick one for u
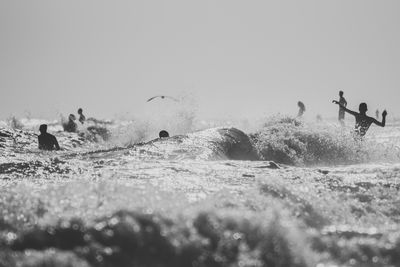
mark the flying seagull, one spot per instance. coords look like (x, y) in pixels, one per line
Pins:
(162, 97)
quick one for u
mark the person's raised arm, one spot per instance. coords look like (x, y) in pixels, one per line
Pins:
(345, 109)
(382, 124)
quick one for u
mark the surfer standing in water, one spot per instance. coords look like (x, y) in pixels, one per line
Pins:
(71, 126)
(302, 108)
(343, 103)
(362, 120)
(47, 141)
(82, 117)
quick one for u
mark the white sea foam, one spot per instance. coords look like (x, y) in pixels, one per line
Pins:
(205, 196)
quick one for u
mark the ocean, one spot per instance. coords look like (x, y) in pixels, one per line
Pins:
(276, 192)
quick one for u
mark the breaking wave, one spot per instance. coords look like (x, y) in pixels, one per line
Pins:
(283, 140)
(211, 144)
(290, 141)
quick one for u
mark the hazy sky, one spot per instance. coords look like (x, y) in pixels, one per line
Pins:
(235, 58)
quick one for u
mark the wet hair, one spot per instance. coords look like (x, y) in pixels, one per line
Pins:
(72, 117)
(362, 107)
(80, 110)
(163, 134)
(43, 128)
(340, 93)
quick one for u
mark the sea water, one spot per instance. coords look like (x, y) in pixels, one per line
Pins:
(285, 193)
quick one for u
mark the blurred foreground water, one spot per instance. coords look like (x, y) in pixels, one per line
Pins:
(289, 193)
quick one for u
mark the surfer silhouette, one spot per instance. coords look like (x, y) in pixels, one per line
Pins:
(377, 114)
(162, 97)
(71, 125)
(363, 122)
(302, 108)
(343, 103)
(163, 134)
(47, 141)
(82, 117)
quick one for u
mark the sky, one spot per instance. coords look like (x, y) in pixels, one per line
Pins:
(228, 57)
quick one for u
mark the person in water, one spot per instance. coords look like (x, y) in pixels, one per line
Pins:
(302, 108)
(343, 103)
(163, 134)
(71, 125)
(47, 141)
(363, 122)
(82, 117)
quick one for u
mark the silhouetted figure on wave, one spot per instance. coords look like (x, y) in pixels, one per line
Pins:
(47, 141)
(71, 125)
(377, 114)
(342, 102)
(302, 108)
(362, 120)
(82, 117)
(163, 134)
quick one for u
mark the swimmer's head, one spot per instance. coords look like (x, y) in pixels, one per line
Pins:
(340, 93)
(163, 134)
(80, 111)
(72, 117)
(43, 128)
(363, 108)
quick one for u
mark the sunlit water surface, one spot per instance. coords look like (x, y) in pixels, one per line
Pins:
(288, 194)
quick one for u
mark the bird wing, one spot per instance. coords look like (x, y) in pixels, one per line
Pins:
(151, 98)
(162, 96)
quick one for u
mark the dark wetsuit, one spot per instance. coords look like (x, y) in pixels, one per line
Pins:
(48, 142)
(82, 118)
(302, 108)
